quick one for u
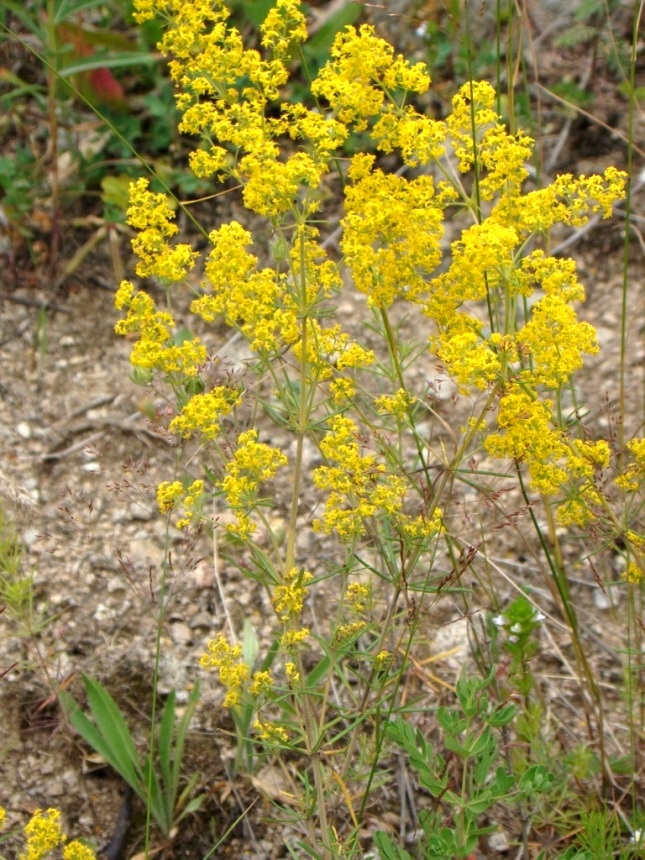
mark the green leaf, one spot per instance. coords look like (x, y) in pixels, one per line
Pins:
(387, 849)
(110, 736)
(453, 745)
(107, 61)
(164, 743)
(502, 716)
(483, 744)
(182, 730)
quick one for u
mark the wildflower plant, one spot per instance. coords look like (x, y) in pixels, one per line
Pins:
(503, 322)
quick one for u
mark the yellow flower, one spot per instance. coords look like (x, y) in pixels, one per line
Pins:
(168, 495)
(288, 598)
(44, 833)
(392, 233)
(253, 463)
(346, 632)
(233, 672)
(270, 733)
(361, 72)
(356, 594)
(633, 575)
(203, 413)
(76, 851)
(291, 640)
(292, 672)
(262, 683)
(395, 404)
(359, 488)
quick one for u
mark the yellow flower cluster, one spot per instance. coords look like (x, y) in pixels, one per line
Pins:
(270, 733)
(330, 350)
(530, 436)
(288, 598)
(397, 404)
(255, 301)
(44, 833)
(355, 492)
(346, 633)
(233, 671)
(361, 70)
(155, 348)
(632, 477)
(634, 574)
(392, 233)
(253, 463)
(171, 494)
(478, 136)
(151, 215)
(202, 415)
(292, 640)
(360, 489)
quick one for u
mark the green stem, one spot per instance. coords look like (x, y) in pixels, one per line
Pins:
(309, 718)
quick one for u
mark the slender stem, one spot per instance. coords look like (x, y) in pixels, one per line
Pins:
(309, 718)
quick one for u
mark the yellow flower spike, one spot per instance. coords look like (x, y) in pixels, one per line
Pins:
(203, 413)
(292, 673)
(289, 597)
(233, 672)
(44, 833)
(76, 851)
(392, 233)
(262, 682)
(292, 640)
(283, 25)
(253, 464)
(168, 494)
(356, 595)
(634, 574)
(270, 733)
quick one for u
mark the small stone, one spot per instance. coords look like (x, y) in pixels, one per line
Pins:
(115, 584)
(601, 599)
(141, 511)
(56, 788)
(92, 467)
(103, 613)
(180, 633)
(29, 537)
(498, 842)
(202, 620)
(23, 430)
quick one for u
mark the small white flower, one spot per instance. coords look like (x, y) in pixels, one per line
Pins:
(516, 628)
(637, 837)
(499, 621)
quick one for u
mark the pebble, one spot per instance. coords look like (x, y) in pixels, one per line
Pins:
(601, 599)
(115, 584)
(93, 467)
(180, 633)
(202, 620)
(498, 842)
(23, 429)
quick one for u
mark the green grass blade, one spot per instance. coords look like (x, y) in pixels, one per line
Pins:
(164, 750)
